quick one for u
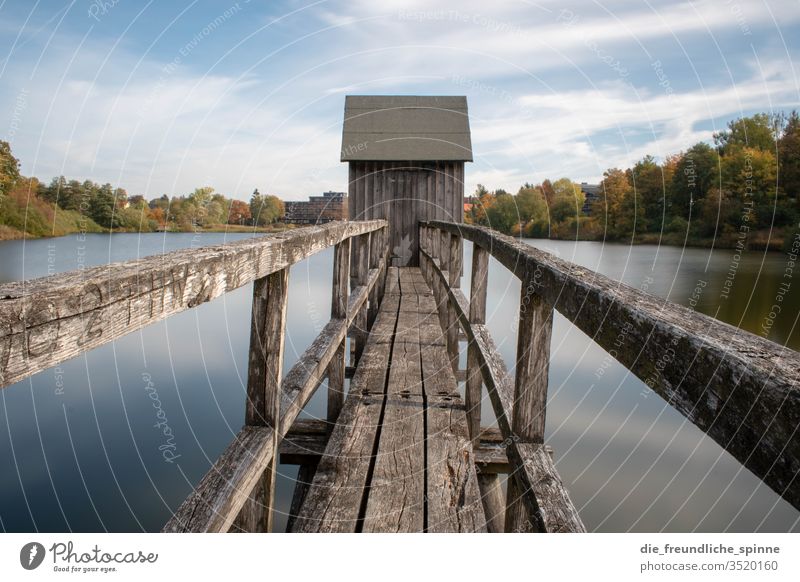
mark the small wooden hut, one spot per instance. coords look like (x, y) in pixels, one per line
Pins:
(406, 156)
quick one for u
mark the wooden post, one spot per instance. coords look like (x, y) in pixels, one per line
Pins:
(489, 485)
(443, 238)
(336, 369)
(265, 370)
(477, 315)
(361, 275)
(492, 499)
(423, 264)
(428, 249)
(454, 280)
(383, 236)
(530, 390)
(375, 247)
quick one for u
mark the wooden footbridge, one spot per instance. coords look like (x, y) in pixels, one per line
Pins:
(402, 448)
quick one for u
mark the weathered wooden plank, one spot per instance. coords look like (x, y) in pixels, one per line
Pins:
(375, 255)
(334, 500)
(396, 495)
(393, 281)
(477, 316)
(306, 441)
(221, 493)
(493, 502)
(530, 388)
(549, 505)
(361, 270)
(265, 370)
(533, 364)
(397, 488)
(44, 322)
(339, 296)
(454, 500)
(454, 277)
(267, 337)
(741, 389)
(305, 475)
(226, 487)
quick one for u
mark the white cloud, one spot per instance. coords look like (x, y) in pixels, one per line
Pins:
(276, 126)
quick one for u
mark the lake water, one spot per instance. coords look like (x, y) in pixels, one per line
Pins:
(80, 450)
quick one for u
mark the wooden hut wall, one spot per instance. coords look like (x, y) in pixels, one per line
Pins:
(405, 193)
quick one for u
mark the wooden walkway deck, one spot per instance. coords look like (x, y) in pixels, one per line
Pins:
(400, 458)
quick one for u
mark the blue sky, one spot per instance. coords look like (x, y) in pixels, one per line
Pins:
(162, 97)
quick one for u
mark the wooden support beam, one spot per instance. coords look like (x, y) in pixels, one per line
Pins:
(477, 315)
(442, 283)
(547, 506)
(339, 297)
(493, 502)
(306, 441)
(533, 364)
(454, 282)
(305, 475)
(375, 254)
(265, 371)
(530, 392)
(361, 268)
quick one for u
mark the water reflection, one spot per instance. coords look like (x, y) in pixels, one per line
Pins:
(84, 444)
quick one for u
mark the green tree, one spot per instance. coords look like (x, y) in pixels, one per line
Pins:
(533, 211)
(696, 172)
(266, 209)
(610, 207)
(503, 215)
(566, 188)
(102, 207)
(789, 157)
(750, 175)
(758, 131)
(648, 183)
(9, 168)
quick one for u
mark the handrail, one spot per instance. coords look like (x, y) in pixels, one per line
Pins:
(224, 490)
(545, 499)
(46, 321)
(739, 388)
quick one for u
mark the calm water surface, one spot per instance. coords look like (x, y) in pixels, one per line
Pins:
(81, 451)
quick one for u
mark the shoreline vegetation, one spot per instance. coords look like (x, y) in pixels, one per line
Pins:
(10, 233)
(742, 193)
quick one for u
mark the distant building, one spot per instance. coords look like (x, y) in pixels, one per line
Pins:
(318, 210)
(592, 193)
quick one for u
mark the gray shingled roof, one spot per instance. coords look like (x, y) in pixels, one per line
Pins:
(406, 127)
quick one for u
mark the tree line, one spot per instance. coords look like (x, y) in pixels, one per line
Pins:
(62, 206)
(747, 182)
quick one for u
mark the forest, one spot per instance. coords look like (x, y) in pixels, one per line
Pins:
(30, 208)
(743, 188)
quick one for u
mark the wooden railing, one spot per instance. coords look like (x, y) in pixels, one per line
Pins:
(740, 389)
(47, 321)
